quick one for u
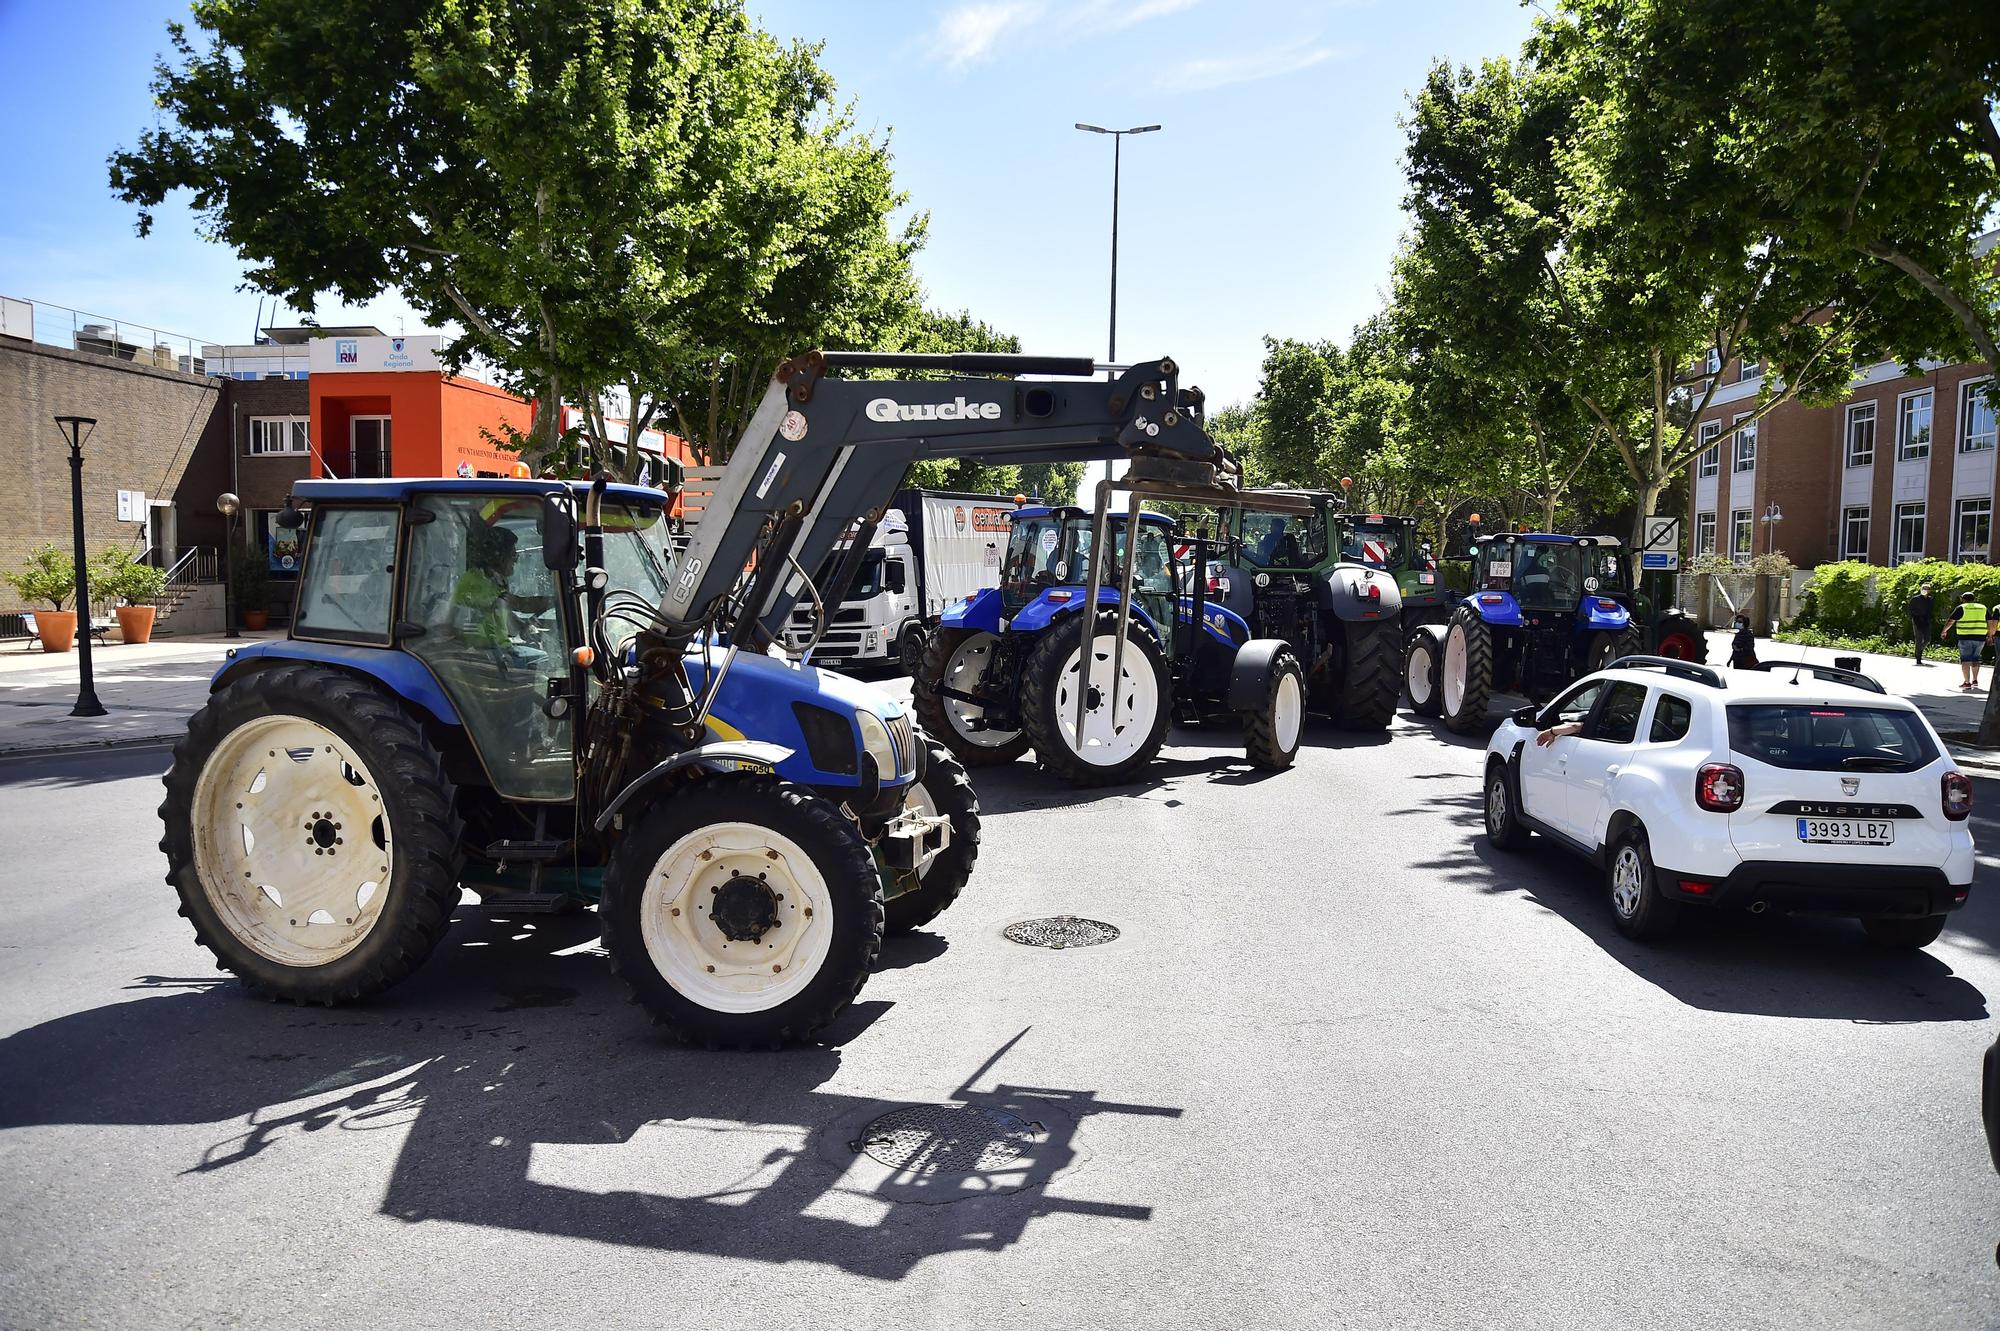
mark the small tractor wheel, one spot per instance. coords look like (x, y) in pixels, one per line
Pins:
(1607, 646)
(1423, 669)
(910, 648)
(961, 660)
(743, 911)
(312, 834)
(1051, 680)
(943, 789)
(1271, 732)
(1367, 698)
(1467, 675)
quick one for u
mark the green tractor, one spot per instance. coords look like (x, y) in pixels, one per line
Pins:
(1383, 541)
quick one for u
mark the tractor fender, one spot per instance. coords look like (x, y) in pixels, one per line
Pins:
(1355, 592)
(980, 611)
(1219, 622)
(1250, 673)
(1499, 609)
(1045, 609)
(399, 672)
(712, 756)
(1601, 612)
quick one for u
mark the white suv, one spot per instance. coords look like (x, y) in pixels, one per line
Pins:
(1794, 789)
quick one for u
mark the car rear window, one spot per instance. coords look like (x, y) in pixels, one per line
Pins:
(1670, 719)
(1831, 738)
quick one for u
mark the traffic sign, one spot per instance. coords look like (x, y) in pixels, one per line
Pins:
(1662, 534)
(1660, 559)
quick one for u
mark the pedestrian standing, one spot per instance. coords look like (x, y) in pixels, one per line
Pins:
(1743, 647)
(1920, 621)
(1968, 623)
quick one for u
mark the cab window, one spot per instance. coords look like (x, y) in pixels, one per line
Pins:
(348, 593)
(1283, 540)
(1573, 706)
(1617, 721)
(1671, 716)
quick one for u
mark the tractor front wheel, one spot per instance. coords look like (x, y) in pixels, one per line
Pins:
(943, 789)
(1054, 682)
(1423, 669)
(1467, 676)
(1607, 646)
(1368, 693)
(1271, 732)
(743, 911)
(956, 670)
(311, 833)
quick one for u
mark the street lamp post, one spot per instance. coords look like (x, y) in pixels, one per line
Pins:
(1117, 147)
(227, 504)
(75, 429)
(1771, 517)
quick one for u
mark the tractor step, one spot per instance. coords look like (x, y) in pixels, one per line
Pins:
(532, 903)
(526, 852)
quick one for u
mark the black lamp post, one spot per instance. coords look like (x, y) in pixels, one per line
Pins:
(1117, 147)
(227, 504)
(76, 429)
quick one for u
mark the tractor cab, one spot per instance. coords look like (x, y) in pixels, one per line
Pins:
(1541, 572)
(1048, 561)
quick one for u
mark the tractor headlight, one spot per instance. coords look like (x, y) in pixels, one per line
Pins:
(875, 739)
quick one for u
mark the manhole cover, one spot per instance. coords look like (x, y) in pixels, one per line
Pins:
(1061, 931)
(951, 1139)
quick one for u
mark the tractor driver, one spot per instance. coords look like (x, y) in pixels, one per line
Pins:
(1268, 544)
(483, 589)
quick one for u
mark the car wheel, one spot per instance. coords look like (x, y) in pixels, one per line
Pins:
(1920, 932)
(1638, 908)
(1503, 814)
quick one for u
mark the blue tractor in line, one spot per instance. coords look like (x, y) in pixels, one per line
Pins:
(1544, 611)
(1003, 674)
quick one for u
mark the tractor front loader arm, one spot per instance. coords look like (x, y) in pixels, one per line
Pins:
(822, 452)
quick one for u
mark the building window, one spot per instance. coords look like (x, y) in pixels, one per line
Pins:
(1913, 426)
(1909, 532)
(1972, 531)
(1976, 430)
(1861, 435)
(1714, 362)
(1854, 533)
(1740, 529)
(1746, 444)
(370, 435)
(278, 434)
(1711, 456)
(1749, 369)
(1704, 533)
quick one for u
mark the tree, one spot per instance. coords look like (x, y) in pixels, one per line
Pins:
(648, 195)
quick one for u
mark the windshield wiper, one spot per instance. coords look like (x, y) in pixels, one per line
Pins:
(1875, 762)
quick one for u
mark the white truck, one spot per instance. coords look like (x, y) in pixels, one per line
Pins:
(930, 549)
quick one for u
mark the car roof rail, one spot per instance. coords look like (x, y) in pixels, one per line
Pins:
(1829, 674)
(1673, 665)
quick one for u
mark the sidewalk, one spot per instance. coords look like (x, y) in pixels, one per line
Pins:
(1932, 687)
(148, 692)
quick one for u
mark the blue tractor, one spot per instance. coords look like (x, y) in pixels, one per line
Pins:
(1544, 611)
(1003, 674)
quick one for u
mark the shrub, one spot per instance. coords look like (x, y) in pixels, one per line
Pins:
(114, 573)
(1836, 600)
(1948, 582)
(49, 575)
(251, 574)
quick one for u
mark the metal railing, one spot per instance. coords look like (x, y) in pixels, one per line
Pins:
(77, 330)
(196, 565)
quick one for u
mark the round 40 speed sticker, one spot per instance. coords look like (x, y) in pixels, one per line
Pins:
(793, 427)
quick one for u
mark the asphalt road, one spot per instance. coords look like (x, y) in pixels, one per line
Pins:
(1344, 1067)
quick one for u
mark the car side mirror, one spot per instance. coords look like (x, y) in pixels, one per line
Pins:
(1525, 716)
(559, 549)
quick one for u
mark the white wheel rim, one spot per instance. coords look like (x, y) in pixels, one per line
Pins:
(1496, 805)
(1626, 879)
(965, 672)
(691, 952)
(919, 801)
(1287, 711)
(1418, 674)
(290, 841)
(1138, 704)
(1454, 668)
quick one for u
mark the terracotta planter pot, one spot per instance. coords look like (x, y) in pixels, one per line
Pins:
(135, 622)
(57, 629)
(255, 620)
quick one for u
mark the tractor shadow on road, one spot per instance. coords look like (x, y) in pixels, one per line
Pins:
(83, 768)
(508, 1085)
(1771, 965)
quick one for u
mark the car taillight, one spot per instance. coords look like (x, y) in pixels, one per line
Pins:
(1718, 787)
(1957, 790)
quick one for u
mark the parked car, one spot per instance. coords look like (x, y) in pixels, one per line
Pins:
(1800, 789)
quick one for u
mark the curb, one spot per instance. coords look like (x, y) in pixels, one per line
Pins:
(94, 746)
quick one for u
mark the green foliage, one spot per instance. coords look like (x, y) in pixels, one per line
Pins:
(1838, 602)
(115, 574)
(1836, 599)
(646, 202)
(1879, 645)
(250, 579)
(49, 575)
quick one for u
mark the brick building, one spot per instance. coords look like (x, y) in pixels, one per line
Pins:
(1902, 469)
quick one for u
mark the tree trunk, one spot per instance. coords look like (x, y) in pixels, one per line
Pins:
(1648, 501)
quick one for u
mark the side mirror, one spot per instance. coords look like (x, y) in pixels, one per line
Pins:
(559, 549)
(1524, 716)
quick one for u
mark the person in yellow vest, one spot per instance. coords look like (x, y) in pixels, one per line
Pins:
(1970, 624)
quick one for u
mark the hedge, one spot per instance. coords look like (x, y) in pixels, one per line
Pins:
(1836, 597)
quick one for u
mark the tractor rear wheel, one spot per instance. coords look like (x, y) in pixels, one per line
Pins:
(1467, 676)
(1053, 678)
(1271, 731)
(743, 911)
(1367, 698)
(311, 833)
(1681, 642)
(1423, 669)
(1607, 646)
(943, 789)
(962, 660)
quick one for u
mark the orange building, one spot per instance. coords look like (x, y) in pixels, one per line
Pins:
(384, 406)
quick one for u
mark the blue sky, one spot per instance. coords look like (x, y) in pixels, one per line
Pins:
(1269, 203)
